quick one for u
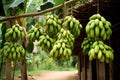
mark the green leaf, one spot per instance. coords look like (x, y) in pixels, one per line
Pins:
(1, 9)
(30, 47)
(52, 1)
(7, 4)
(16, 3)
(46, 5)
(58, 2)
(33, 5)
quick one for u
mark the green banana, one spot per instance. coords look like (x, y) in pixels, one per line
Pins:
(14, 33)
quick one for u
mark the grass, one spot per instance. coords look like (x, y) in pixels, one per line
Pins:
(30, 72)
(35, 72)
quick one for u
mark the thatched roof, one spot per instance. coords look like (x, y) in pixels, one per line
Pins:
(107, 8)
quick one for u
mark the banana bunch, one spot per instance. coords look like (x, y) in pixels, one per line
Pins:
(35, 33)
(101, 51)
(53, 24)
(61, 50)
(14, 33)
(86, 44)
(66, 35)
(73, 25)
(12, 51)
(98, 28)
(45, 42)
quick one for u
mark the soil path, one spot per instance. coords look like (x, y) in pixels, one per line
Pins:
(55, 75)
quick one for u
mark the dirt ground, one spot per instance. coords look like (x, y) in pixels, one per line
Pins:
(54, 75)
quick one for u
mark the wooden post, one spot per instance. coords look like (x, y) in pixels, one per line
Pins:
(97, 69)
(107, 76)
(89, 71)
(100, 70)
(84, 68)
(86, 64)
(94, 72)
(79, 65)
(111, 71)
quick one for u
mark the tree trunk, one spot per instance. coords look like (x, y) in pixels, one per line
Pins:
(23, 69)
(8, 62)
(24, 44)
(8, 70)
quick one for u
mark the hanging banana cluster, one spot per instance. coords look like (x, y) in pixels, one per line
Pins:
(14, 33)
(53, 24)
(45, 42)
(86, 45)
(101, 51)
(12, 51)
(61, 50)
(98, 28)
(73, 25)
(35, 33)
(66, 35)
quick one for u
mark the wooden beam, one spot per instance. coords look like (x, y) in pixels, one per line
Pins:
(38, 13)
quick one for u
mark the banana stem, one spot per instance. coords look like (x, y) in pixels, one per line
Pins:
(98, 6)
(65, 9)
